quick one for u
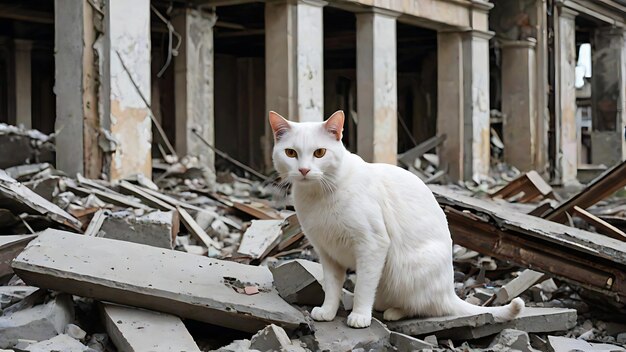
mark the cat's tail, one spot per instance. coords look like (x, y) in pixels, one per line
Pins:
(500, 314)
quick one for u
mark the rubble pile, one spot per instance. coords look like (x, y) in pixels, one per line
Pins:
(187, 264)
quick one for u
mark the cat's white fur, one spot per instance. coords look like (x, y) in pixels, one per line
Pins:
(377, 219)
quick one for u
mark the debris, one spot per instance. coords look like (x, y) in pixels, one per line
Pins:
(271, 338)
(337, 336)
(96, 223)
(260, 238)
(589, 259)
(511, 339)
(75, 332)
(524, 281)
(564, 344)
(300, 281)
(138, 330)
(258, 210)
(10, 295)
(37, 323)
(158, 228)
(408, 157)
(407, 343)
(526, 188)
(236, 346)
(600, 225)
(61, 342)
(347, 299)
(10, 247)
(601, 187)
(164, 280)
(145, 196)
(476, 326)
(26, 146)
(195, 230)
(19, 199)
(292, 233)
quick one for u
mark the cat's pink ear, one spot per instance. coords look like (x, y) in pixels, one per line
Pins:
(334, 124)
(279, 124)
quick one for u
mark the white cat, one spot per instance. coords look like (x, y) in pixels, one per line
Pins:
(377, 219)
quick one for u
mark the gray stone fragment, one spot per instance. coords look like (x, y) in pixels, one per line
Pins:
(336, 335)
(61, 342)
(621, 338)
(406, 343)
(158, 228)
(431, 339)
(272, 338)
(300, 281)
(12, 294)
(74, 331)
(236, 346)
(511, 339)
(37, 323)
(564, 344)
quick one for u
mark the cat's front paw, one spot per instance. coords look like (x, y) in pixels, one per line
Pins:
(359, 321)
(323, 314)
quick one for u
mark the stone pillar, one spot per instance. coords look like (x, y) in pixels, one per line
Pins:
(565, 64)
(127, 43)
(23, 92)
(77, 121)
(377, 97)
(194, 84)
(476, 111)
(518, 103)
(608, 87)
(294, 61)
(450, 96)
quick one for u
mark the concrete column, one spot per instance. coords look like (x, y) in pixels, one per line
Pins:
(127, 42)
(518, 103)
(23, 92)
(294, 61)
(476, 110)
(450, 97)
(194, 84)
(77, 121)
(565, 62)
(377, 97)
(463, 102)
(608, 87)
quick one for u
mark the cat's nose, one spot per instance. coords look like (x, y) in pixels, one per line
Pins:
(304, 171)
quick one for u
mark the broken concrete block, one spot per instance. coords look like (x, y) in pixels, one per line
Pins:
(10, 247)
(260, 238)
(272, 338)
(299, 281)
(347, 299)
(336, 335)
(19, 199)
(564, 344)
(75, 332)
(182, 284)
(511, 339)
(137, 330)
(407, 343)
(531, 319)
(236, 346)
(37, 323)
(195, 230)
(524, 281)
(158, 228)
(12, 294)
(61, 342)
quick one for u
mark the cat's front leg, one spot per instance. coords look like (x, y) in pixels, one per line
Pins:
(334, 277)
(370, 261)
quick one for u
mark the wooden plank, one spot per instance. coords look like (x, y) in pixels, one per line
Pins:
(96, 223)
(601, 226)
(589, 259)
(147, 198)
(408, 157)
(603, 186)
(517, 286)
(258, 210)
(260, 238)
(196, 231)
(109, 197)
(174, 282)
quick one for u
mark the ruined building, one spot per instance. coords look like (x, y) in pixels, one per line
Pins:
(547, 77)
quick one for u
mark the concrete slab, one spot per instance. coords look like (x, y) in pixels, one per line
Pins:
(336, 335)
(407, 343)
(300, 281)
(524, 281)
(182, 284)
(61, 342)
(564, 344)
(12, 294)
(37, 323)
(137, 330)
(272, 338)
(10, 247)
(260, 238)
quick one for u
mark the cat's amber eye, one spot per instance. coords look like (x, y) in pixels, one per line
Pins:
(318, 153)
(291, 153)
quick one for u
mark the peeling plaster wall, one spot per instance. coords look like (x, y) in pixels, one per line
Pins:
(310, 62)
(130, 124)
